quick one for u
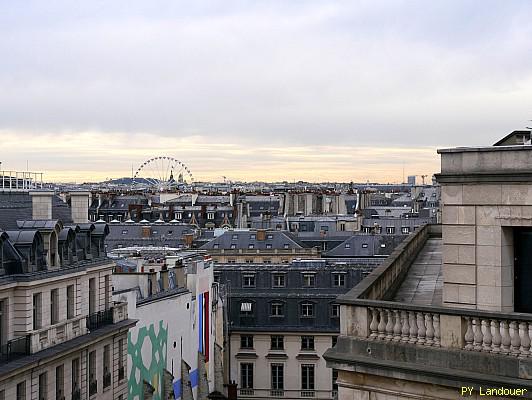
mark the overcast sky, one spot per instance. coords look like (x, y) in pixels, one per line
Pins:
(273, 90)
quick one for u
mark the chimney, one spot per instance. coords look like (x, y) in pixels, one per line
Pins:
(153, 279)
(41, 203)
(261, 234)
(79, 204)
(164, 277)
(188, 238)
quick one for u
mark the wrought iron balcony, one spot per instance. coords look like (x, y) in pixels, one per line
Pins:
(15, 348)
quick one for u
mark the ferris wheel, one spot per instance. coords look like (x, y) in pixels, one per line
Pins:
(162, 173)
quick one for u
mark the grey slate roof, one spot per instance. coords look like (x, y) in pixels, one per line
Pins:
(243, 240)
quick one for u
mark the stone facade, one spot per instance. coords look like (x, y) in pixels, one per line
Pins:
(485, 193)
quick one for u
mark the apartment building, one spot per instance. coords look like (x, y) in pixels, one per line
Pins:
(61, 335)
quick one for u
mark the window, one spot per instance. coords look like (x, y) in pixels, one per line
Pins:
(339, 280)
(246, 341)
(335, 311)
(246, 309)
(92, 296)
(231, 261)
(251, 246)
(37, 311)
(233, 246)
(106, 366)
(309, 280)
(248, 281)
(390, 230)
(366, 229)
(70, 301)
(277, 342)
(234, 237)
(405, 230)
(93, 388)
(59, 381)
(252, 236)
(277, 372)
(276, 309)
(268, 245)
(75, 375)
(21, 391)
(3, 322)
(348, 245)
(210, 215)
(121, 369)
(383, 245)
(307, 310)
(334, 339)
(54, 306)
(178, 215)
(107, 288)
(269, 236)
(286, 246)
(124, 232)
(249, 261)
(364, 245)
(267, 261)
(307, 377)
(43, 386)
(278, 280)
(307, 342)
(216, 246)
(246, 376)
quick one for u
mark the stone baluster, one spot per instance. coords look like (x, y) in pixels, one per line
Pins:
(515, 340)
(437, 332)
(525, 340)
(506, 339)
(405, 331)
(373, 326)
(413, 327)
(497, 338)
(421, 330)
(430, 330)
(477, 335)
(397, 326)
(389, 325)
(486, 335)
(382, 324)
(530, 335)
(469, 335)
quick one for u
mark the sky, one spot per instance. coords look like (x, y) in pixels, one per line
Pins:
(259, 90)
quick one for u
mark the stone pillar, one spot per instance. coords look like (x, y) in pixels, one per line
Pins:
(41, 202)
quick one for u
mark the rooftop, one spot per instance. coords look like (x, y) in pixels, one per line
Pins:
(423, 283)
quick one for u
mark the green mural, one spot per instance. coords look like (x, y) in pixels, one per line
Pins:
(151, 368)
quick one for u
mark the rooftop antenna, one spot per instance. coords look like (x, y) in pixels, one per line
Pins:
(423, 179)
(403, 172)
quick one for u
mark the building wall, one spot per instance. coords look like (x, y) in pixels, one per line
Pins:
(478, 218)
(292, 357)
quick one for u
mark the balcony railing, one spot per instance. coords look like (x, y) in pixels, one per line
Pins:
(58, 333)
(368, 314)
(93, 387)
(287, 394)
(15, 348)
(107, 380)
(100, 319)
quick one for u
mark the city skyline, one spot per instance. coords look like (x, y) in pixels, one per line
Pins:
(308, 90)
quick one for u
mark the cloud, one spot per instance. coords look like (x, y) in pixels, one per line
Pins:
(302, 74)
(69, 157)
